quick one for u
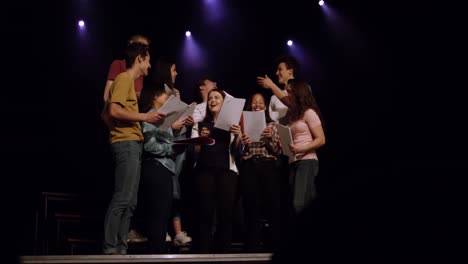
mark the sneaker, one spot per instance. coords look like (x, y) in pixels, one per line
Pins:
(168, 237)
(136, 237)
(182, 238)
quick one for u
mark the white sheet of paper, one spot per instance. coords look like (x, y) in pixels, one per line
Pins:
(254, 124)
(230, 113)
(286, 139)
(169, 91)
(189, 111)
(173, 108)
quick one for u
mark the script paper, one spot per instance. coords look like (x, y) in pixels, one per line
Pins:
(286, 139)
(230, 113)
(173, 108)
(254, 124)
(169, 91)
(189, 111)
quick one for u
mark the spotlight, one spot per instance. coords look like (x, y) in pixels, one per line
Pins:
(81, 23)
(290, 42)
(321, 3)
(187, 33)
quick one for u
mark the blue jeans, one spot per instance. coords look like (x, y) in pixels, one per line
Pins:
(127, 159)
(302, 181)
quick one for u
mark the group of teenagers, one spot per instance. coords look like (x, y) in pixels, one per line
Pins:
(270, 187)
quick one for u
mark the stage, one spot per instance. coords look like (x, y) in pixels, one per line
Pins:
(169, 258)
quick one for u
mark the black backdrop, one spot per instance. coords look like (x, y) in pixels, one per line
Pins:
(359, 69)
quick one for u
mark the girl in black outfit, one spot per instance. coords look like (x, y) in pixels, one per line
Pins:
(217, 180)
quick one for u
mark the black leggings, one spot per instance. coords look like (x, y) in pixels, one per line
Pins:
(260, 186)
(217, 192)
(157, 192)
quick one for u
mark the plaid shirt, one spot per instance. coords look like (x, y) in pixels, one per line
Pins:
(267, 147)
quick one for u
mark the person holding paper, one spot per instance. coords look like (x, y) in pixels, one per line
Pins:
(118, 66)
(216, 180)
(287, 68)
(165, 71)
(203, 87)
(125, 138)
(158, 169)
(308, 136)
(260, 181)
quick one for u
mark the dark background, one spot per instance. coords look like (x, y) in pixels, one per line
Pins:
(351, 74)
(379, 73)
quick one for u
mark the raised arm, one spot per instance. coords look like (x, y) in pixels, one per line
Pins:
(267, 83)
(236, 131)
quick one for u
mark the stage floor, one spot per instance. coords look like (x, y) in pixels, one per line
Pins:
(169, 258)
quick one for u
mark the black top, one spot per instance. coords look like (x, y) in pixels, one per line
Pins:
(216, 155)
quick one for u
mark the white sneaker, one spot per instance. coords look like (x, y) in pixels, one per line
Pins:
(182, 238)
(168, 238)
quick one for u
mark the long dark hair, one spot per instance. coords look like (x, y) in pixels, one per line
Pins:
(161, 72)
(301, 99)
(248, 106)
(209, 116)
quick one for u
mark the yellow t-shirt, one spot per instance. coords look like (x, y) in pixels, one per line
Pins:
(122, 92)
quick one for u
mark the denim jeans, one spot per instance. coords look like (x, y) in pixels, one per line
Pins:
(302, 181)
(127, 159)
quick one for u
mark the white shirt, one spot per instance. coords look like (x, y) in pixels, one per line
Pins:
(199, 112)
(277, 109)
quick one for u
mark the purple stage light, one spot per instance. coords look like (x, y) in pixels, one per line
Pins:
(306, 58)
(192, 53)
(213, 12)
